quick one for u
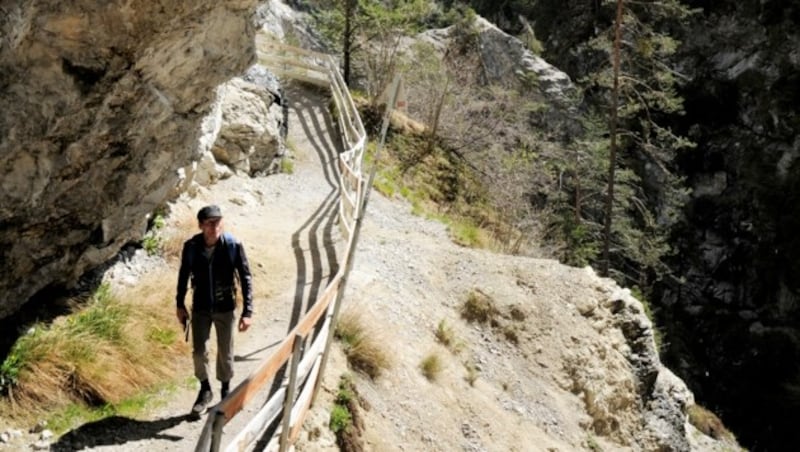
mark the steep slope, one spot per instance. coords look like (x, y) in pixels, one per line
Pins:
(569, 362)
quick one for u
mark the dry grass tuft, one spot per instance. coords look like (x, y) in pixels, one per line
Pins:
(115, 347)
(185, 226)
(472, 372)
(431, 366)
(363, 350)
(446, 336)
(708, 423)
(405, 124)
(479, 307)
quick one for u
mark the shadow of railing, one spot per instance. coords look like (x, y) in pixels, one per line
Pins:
(303, 352)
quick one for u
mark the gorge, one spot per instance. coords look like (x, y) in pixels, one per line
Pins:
(108, 102)
(731, 321)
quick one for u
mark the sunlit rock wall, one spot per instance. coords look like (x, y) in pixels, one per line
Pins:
(101, 104)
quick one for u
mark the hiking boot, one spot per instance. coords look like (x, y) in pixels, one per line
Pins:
(225, 389)
(203, 398)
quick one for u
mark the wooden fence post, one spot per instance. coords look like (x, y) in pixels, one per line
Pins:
(289, 400)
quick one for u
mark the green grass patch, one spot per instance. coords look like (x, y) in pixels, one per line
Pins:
(344, 406)
(162, 336)
(74, 340)
(76, 414)
(287, 165)
(152, 242)
(340, 418)
(465, 233)
(97, 360)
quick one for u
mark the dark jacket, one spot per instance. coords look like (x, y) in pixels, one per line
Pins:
(213, 284)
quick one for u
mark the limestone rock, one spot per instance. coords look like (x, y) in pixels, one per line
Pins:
(104, 105)
(249, 137)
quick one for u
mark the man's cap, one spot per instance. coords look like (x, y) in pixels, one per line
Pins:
(212, 211)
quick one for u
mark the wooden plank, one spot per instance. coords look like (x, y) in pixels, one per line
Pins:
(287, 404)
(294, 61)
(250, 386)
(204, 442)
(301, 77)
(287, 48)
(303, 402)
(308, 321)
(256, 427)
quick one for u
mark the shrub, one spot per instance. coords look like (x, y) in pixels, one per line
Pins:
(152, 241)
(346, 421)
(340, 418)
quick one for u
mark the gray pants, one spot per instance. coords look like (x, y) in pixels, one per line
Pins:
(201, 330)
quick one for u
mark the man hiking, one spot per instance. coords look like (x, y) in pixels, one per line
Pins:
(211, 259)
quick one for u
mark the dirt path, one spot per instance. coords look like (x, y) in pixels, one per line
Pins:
(287, 223)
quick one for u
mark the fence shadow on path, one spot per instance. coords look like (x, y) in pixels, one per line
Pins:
(317, 230)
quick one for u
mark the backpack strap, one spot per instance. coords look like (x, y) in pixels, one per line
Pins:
(230, 244)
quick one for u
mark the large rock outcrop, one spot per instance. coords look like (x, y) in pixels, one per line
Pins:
(102, 105)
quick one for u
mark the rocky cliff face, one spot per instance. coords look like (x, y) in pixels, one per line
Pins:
(732, 326)
(741, 252)
(102, 105)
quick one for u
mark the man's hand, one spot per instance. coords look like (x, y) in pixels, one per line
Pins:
(244, 323)
(182, 316)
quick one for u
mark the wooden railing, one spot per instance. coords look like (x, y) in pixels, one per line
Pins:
(307, 361)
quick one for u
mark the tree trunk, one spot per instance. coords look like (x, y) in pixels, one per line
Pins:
(612, 157)
(347, 44)
(435, 120)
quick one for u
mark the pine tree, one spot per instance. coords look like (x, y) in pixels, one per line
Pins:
(636, 86)
(368, 32)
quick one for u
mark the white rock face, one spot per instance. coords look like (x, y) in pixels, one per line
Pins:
(249, 138)
(106, 106)
(506, 55)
